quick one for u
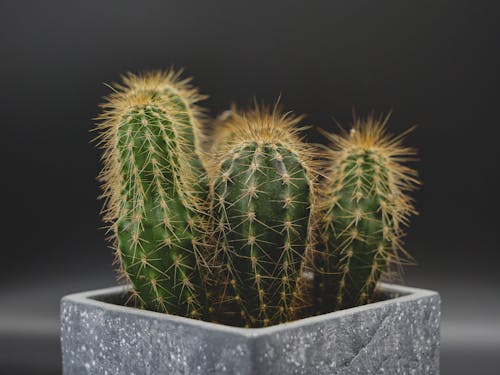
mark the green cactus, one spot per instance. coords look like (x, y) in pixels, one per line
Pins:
(365, 207)
(154, 184)
(249, 191)
(263, 195)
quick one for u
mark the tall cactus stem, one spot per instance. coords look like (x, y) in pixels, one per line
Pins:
(365, 207)
(154, 187)
(263, 203)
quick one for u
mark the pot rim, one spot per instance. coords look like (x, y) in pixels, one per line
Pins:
(397, 293)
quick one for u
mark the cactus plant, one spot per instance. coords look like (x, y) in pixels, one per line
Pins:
(365, 207)
(237, 227)
(154, 185)
(263, 203)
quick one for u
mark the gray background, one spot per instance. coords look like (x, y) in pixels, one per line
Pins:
(435, 63)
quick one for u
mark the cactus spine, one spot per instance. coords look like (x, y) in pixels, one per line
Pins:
(154, 184)
(263, 199)
(365, 208)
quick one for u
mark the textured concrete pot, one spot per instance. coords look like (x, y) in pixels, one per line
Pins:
(396, 336)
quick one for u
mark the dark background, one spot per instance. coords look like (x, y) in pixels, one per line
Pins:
(434, 63)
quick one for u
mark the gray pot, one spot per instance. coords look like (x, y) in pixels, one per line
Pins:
(396, 336)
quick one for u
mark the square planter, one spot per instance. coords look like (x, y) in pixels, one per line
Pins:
(399, 335)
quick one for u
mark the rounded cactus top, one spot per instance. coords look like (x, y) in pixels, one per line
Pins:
(370, 136)
(263, 125)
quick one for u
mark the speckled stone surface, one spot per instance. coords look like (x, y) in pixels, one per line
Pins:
(396, 336)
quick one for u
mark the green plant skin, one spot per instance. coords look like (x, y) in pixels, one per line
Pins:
(360, 231)
(187, 141)
(159, 227)
(262, 211)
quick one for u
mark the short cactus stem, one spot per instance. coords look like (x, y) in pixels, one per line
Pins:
(262, 198)
(154, 186)
(365, 208)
